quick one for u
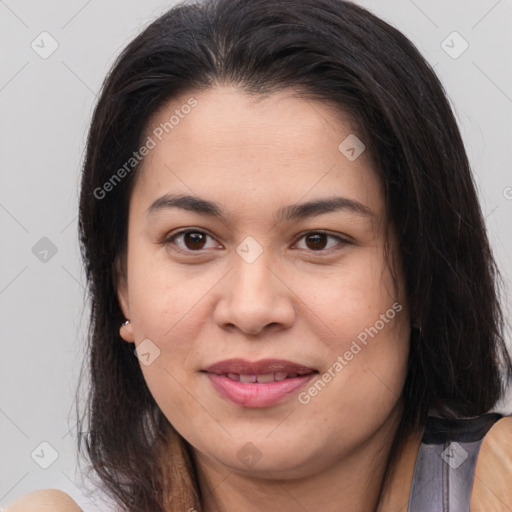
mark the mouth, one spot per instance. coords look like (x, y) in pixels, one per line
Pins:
(264, 377)
(258, 384)
(263, 367)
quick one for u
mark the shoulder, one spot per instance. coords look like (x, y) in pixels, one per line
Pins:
(492, 486)
(45, 500)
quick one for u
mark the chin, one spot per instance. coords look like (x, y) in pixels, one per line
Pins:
(269, 461)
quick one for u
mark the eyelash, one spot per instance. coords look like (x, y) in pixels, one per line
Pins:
(171, 238)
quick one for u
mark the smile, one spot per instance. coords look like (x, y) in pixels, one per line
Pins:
(264, 378)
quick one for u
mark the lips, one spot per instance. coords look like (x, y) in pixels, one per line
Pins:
(259, 368)
(258, 384)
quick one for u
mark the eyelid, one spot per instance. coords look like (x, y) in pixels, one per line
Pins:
(342, 240)
(168, 239)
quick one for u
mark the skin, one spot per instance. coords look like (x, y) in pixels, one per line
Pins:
(302, 300)
(47, 500)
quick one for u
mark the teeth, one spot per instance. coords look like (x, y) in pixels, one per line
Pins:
(264, 378)
(269, 377)
(247, 378)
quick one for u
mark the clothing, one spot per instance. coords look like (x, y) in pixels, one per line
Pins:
(454, 466)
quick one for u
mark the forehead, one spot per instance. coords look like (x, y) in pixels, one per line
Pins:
(228, 118)
(239, 146)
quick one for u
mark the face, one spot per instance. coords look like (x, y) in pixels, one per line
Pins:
(273, 270)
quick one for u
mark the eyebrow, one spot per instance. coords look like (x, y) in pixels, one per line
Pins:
(288, 213)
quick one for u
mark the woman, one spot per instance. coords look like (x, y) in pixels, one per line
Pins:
(294, 301)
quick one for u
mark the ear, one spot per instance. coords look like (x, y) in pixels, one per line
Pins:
(121, 287)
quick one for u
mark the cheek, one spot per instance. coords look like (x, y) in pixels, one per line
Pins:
(163, 296)
(365, 327)
(362, 382)
(180, 402)
(350, 298)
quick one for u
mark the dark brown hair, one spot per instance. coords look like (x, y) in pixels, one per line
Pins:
(339, 53)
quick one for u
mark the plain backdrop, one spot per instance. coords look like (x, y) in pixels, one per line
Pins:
(46, 104)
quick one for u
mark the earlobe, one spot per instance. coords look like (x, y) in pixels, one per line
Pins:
(126, 332)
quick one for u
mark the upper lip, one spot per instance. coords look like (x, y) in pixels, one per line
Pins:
(262, 367)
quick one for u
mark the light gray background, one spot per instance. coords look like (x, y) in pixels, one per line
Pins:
(46, 105)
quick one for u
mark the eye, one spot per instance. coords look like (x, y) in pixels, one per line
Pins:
(190, 240)
(319, 241)
(195, 240)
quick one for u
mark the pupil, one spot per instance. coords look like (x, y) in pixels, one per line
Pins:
(194, 240)
(318, 239)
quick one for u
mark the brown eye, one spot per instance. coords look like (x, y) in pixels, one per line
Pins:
(194, 240)
(190, 240)
(316, 241)
(321, 242)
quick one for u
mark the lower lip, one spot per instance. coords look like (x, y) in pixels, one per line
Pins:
(256, 394)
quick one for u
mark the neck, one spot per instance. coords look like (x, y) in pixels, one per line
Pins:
(353, 482)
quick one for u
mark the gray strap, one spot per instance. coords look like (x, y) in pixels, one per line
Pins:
(445, 465)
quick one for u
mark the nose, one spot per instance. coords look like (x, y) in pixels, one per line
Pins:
(255, 298)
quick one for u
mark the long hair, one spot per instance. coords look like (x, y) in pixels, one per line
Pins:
(336, 52)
